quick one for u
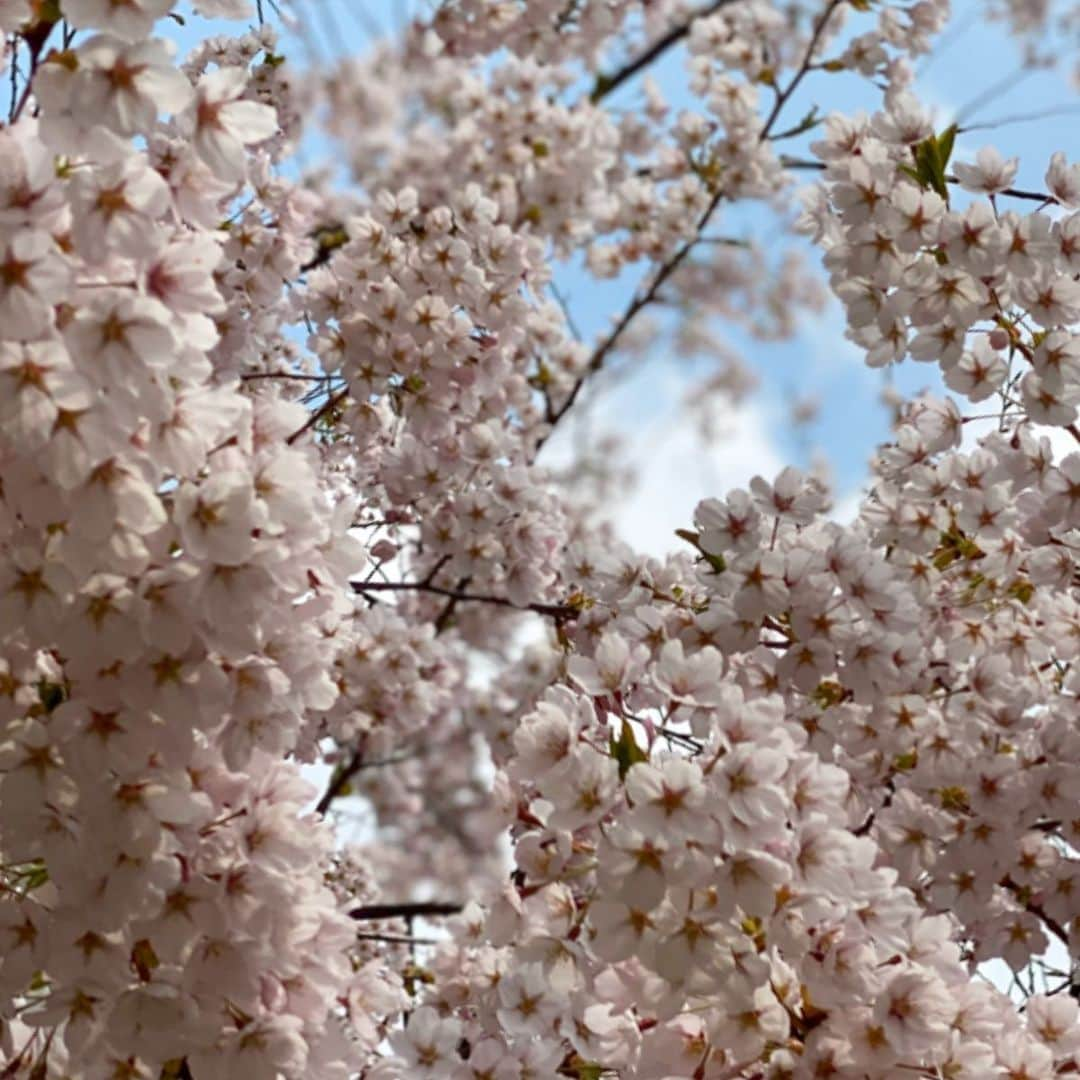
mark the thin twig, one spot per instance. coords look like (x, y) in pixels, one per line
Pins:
(553, 611)
(340, 780)
(249, 376)
(784, 95)
(666, 269)
(35, 37)
(995, 91)
(1040, 913)
(1012, 193)
(329, 406)
(442, 620)
(1020, 118)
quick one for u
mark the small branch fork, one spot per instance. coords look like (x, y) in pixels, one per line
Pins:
(1038, 911)
(344, 774)
(559, 612)
(666, 269)
(327, 407)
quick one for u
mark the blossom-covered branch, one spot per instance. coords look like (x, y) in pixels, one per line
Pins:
(555, 611)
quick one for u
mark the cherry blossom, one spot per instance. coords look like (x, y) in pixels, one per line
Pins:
(276, 491)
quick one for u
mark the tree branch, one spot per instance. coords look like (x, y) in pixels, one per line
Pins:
(784, 95)
(339, 781)
(328, 406)
(609, 83)
(553, 611)
(425, 909)
(1038, 911)
(252, 375)
(1012, 193)
(667, 268)
(640, 301)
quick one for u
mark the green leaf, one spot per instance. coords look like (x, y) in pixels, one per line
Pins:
(931, 160)
(906, 762)
(945, 144)
(715, 561)
(807, 123)
(35, 877)
(581, 1069)
(827, 693)
(625, 750)
(1022, 589)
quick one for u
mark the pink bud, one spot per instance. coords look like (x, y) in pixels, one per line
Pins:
(384, 549)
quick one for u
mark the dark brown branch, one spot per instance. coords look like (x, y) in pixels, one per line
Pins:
(328, 407)
(1046, 826)
(553, 611)
(424, 909)
(1038, 911)
(340, 780)
(358, 763)
(442, 620)
(640, 301)
(1012, 193)
(251, 375)
(1051, 923)
(868, 823)
(609, 83)
(35, 36)
(1017, 193)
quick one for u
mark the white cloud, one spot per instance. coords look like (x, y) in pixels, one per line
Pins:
(676, 471)
(674, 467)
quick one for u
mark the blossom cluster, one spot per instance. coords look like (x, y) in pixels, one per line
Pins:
(174, 574)
(272, 493)
(987, 295)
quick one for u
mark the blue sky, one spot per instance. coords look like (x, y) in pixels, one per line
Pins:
(978, 58)
(976, 61)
